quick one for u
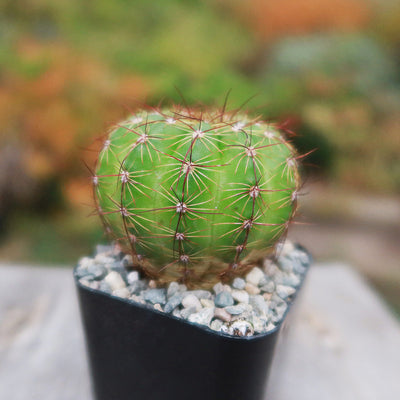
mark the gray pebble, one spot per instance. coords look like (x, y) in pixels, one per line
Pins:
(290, 280)
(223, 299)
(105, 287)
(136, 287)
(173, 288)
(239, 283)
(269, 287)
(286, 264)
(97, 271)
(203, 317)
(259, 305)
(236, 310)
(187, 311)
(201, 294)
(83, 273)
(173, 302)
(155, 296)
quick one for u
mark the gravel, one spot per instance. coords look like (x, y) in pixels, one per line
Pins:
(254, 304)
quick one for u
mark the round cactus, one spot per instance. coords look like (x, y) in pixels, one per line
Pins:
(196, 196)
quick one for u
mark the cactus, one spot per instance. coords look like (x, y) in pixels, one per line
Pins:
(196, 196)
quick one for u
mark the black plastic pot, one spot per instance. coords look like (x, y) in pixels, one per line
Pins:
(137, 353)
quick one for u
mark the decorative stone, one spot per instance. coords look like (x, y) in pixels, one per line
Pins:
(254, 276)
(201, 294)
(291, 280)
(216, 325)
(218, 288)
(105, 287)
(186, 312)
(155, 296)
(115, 280)
(270, 268)
(203, 317)
(251, 289)
(236, 310)
(132, 277)
(207, 303)
(269, 287)
(223, 299)
(241, 296)
(286, 264)
(191, 300)
(222, 314)
(259, 305)
(173, 302)
(103, 259)
(182, 288)
(136, 287)
(284, 291)
(173, 288)
(259, 324)
(122, 292)
(239, 283)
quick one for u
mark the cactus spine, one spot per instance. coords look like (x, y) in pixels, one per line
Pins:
(196, 196)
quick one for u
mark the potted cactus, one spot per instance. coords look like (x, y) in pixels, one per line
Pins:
(190, 299)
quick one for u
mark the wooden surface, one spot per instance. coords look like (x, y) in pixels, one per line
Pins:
(344, 343)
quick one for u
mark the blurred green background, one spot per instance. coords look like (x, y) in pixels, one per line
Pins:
(331, 70)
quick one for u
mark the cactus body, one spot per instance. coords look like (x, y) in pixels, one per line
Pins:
(195, 196)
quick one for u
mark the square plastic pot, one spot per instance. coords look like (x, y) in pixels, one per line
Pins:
(138, 353)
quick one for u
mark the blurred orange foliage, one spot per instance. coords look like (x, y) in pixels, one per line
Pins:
(53, 112)
(269, 19)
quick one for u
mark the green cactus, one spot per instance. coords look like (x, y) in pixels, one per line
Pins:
(196, 196)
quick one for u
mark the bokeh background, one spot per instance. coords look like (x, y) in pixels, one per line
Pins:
(331, 70)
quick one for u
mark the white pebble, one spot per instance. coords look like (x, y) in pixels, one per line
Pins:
(207, 303)
(122, 292)
(115, 280)
(254, 276)
(133, 277)
(284, 291)
(241, 296)
(252, 289)
(191, 301)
